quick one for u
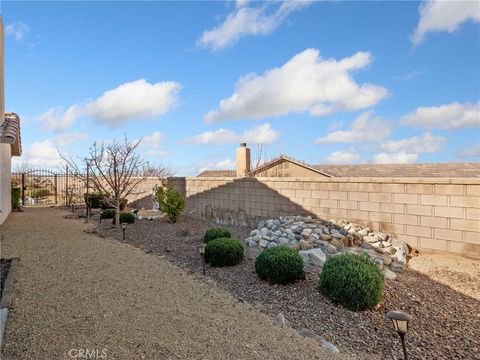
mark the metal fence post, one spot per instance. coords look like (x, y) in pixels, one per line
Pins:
(55, 184)
(23, 189)
(66, 186)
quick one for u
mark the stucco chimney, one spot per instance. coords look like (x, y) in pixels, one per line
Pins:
(243, 160)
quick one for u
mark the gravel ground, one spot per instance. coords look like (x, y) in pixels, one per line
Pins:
(446, 323)
(76, 291)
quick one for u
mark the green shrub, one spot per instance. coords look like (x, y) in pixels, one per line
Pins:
(16, 192)
(95, 199)
(126, 217)
(352, 281)
(224, 252)
(108, 214)
(279, 265)
(216, 233)
(39, 193)
(174, 205)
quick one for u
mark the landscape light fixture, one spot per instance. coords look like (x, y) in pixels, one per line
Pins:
(201, 250)
(400, 323)
(124, 227)
(73, 208)
(101, 216)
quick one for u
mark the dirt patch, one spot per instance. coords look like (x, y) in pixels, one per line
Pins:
(446, 323)
(4, 268)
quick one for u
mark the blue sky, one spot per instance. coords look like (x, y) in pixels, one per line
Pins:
(324, 82)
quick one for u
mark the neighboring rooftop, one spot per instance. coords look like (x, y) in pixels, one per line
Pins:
(446, 170)
(10, 133)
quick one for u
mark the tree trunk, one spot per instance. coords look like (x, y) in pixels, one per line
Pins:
(117, 211)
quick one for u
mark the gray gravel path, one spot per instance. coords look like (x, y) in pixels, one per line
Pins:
(77, 291)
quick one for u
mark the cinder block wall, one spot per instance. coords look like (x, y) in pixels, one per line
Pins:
(435, 215)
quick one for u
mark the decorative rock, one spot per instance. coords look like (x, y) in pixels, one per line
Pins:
(263, 243)
(280, 320)
(388, 274)
(329, 346)
(318, 239)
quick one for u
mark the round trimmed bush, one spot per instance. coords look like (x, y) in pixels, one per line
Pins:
(352, 281)
(216, 233)
(279, 265)
(108, 214)
(126, 217)
(224, 252)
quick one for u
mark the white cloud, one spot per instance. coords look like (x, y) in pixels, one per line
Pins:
(55, 119)
(132, 100)
(427, 143)
(395, 158)
(342, 157)
(249, 20)
(441, 15)
(365, 128)
(449, 116)
(18, 30)
(225, 164)
(306, 83)
(152, 140)
(45, 154)
(262, 134)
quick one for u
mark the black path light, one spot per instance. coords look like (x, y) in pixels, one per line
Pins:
(400, 323)
(201, 250)
(124, 227)
(101, 216)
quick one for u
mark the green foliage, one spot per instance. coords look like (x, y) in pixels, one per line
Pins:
(224, 252)
(109, 214)
(95, 199)
(279, 265)
(216, 233)
(125, 217)
(174, 205)
(16, 192)
(161, 191)
(352, 280)
(39, 193)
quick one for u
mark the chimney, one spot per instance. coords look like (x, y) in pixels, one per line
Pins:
(243, 160)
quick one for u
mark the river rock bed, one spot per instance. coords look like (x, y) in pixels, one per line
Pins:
(318, 239)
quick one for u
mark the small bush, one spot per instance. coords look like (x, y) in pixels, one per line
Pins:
(216, 233)
(224, 252)
(125, 217)
(108, 214)
(16, 192)
(279, 265)
(174, 205)
(94, 199)
(352, 281)
(39, 193)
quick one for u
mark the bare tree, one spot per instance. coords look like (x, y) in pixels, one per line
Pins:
(116, 169)
(260, 155)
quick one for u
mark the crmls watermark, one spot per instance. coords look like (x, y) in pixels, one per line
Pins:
(88, 353)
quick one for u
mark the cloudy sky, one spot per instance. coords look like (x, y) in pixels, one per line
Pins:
(324, 82)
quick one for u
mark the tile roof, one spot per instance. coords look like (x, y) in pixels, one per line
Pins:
(10, 133)
(218, 173)
(445, 170)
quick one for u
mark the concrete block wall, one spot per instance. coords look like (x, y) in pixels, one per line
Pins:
(431, 214)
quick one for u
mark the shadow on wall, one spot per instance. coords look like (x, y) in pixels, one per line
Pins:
(242, 201)
(146, 201)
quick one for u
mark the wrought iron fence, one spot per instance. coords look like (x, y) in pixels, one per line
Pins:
(47, 187)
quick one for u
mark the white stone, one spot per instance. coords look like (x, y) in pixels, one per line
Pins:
(388, 274)
(263, 243)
